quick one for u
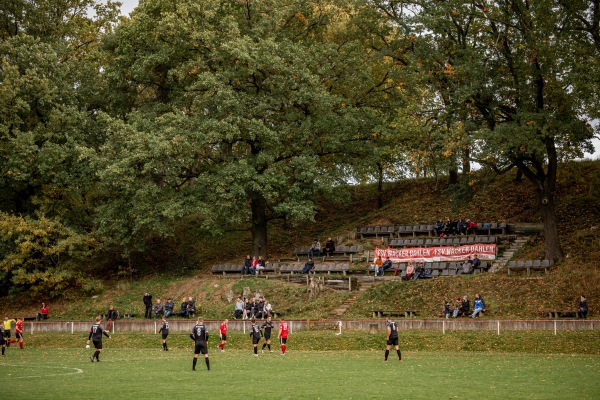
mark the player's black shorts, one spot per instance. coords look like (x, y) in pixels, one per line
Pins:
(392, 342)
(19, 335)
(223, 336)
(201, 348)
(268, 336)
(2, 341)
(255, 339)
(164, 335)
(6, 334)
(283, 340)
(97, 344)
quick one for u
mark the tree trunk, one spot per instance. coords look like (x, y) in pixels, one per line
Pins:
(259, 226)
(546, 204)
(466, 164)
(379, 185)
(453, 176)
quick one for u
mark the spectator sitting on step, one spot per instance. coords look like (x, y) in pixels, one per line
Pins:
(447, 312)
(315, 248)
(247, 265)
(461, 227)
(191, 306)
(329, 247)
(419, 271)
(261, 265)
(43, 314)
(478, 305)
(582, 310)
(471, 227)
(260, 308)
(377, 265)
(467, 266)
(169, 306)
(253, 265)
(475, 261)
(457, 305)
(158, 309)
(410, 270)
(239, 308)
(387, 264)
(310, 264)
(183, 312)
(465, 306)
(438, 227)
(268, 309)
(247, 309)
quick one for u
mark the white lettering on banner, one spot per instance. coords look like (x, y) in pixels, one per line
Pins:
(443, 253)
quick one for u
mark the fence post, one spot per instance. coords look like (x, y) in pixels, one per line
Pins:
(554, 327)
(31, 327)
(155, 327)
(498, 327)
(72, 323)
(443, 327)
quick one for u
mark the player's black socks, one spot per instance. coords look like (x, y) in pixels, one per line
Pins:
(264, 345)
(207, 363)
(164, 346)
(399, 354)
(96, 355)
(269, 347)
(194, 364)
(256, 350)
(387, 353)
(3, 348)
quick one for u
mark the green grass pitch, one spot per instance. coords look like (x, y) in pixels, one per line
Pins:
(134, 367)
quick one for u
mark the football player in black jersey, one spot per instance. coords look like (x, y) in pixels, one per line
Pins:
(267, 326)
(392, 339)
(96, 332)
(164, 330)
(255, 334)
(199, 335)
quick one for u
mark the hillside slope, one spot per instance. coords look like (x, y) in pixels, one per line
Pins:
(486, 198)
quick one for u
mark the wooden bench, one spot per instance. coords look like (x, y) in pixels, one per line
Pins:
(30, 319)
(555, 314)
(394, 313)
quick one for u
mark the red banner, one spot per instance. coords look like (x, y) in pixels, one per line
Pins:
(442, 253)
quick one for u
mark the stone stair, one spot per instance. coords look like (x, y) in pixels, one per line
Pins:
(503, 260)
(342, 308)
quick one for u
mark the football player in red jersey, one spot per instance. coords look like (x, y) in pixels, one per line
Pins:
(283, 335)
(223, 335)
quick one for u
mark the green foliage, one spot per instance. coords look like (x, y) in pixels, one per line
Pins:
(42, 255)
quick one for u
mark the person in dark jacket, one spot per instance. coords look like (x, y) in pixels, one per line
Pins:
(247, 265)
(184, 308)
(148, 305)
(582, 310)
(329, 247)
(169, 306)
(310, 264)
(465, 306)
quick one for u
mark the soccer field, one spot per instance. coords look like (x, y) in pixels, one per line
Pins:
(142, 373)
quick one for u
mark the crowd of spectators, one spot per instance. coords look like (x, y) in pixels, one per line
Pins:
(454, 227)
(462, 307)
(252, 308)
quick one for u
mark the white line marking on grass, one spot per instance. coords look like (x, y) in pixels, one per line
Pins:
(76, 371)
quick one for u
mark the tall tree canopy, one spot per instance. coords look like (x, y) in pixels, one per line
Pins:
(510, 83)
(224, 110)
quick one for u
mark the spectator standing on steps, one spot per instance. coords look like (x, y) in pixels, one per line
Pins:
(329, 247)
(148, 304)
(582, 310)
